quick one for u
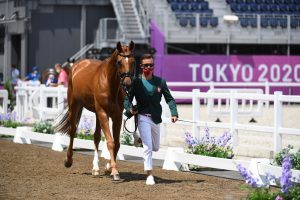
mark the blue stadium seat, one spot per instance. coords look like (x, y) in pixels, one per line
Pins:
(213, 22)
(273, 23)
(268, 1)
(264, 22)
(253, 22)
(194, 7)
(234, 7)
(254, 8)
(204, 5)
(294, 23)
(203, 21)
(244, 22)
(250, 1)
(192, 21)
(175, 7)
(183, 21)
(283, 23)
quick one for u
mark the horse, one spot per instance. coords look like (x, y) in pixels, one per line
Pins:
(100, 87)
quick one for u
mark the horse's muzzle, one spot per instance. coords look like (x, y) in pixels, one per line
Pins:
(127, 81)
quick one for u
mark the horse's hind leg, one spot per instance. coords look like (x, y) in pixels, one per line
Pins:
(97, 138)
(74, 112)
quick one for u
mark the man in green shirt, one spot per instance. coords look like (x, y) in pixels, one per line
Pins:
(148, 90)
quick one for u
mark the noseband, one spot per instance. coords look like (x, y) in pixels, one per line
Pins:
(123, 75)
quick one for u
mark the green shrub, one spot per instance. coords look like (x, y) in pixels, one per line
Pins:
(126, 139)
(43, 127)
(295, 157)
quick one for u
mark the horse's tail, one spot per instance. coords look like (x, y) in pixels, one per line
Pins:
(64, 124)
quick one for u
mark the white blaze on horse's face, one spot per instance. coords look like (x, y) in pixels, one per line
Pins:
(126, 59)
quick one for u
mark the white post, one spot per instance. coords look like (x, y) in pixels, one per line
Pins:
(57, 143)
(169, 161)
(42, 102)
(196, 113)
(267, 91)
(234, 117)
(277, 122)
(4, 95)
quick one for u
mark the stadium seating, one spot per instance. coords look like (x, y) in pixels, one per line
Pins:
(186, 10)
(273, 12)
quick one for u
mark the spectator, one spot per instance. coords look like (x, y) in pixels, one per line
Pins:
(62, 76)
(15, 74)
(51, 79)
(33, 77)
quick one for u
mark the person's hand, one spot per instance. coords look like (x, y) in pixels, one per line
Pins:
(174, 119)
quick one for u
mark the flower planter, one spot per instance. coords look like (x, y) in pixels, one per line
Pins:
(7, 131)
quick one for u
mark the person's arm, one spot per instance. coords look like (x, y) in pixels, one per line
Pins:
(169, 100)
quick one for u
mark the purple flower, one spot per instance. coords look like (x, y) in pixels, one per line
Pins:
(285, 179)
(269, 178)
(279, 198)
(191, 142)
(224, 140)
(247, 176)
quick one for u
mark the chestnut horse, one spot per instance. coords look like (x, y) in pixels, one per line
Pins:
(99, 87)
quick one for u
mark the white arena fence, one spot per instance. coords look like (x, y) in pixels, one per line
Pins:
(40, 102)
(212, 85)
(30, 98)
(242, 110)
(32, 101)
(5, 100)
(173, 158)
(233, 97)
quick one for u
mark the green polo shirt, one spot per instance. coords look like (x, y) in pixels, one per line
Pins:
(148, 102)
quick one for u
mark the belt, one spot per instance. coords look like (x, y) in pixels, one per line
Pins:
(147, 115)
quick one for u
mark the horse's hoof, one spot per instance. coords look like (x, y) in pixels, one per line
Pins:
(115, 177)
(95, 172)
(68, 163)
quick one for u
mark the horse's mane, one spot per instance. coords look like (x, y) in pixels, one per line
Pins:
(112, 57)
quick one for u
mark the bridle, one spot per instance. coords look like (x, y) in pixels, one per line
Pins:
(122, 76)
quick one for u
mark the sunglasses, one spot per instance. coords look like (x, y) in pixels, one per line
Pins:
(148, 65)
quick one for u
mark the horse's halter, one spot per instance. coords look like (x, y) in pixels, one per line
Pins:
(124, 74)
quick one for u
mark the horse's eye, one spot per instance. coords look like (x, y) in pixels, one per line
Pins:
(118, 64)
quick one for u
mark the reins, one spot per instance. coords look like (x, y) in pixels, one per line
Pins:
(122, 77)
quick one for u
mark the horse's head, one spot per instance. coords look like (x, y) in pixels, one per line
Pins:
(125, 63)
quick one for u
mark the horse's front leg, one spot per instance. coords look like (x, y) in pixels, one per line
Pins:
(117, 122)
(97, 138)
(104, 123)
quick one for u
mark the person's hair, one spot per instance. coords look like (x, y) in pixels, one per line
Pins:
(147, 56)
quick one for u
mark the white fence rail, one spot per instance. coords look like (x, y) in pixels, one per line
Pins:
(5, 100)
(277, 129)
(34, 100)
(40, 102)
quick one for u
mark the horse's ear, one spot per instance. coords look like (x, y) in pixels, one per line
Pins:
(131, 45)
(119, 47)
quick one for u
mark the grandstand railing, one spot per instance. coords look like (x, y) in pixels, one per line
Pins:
(108, 33)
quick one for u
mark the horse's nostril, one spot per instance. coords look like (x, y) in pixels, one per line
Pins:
(127, 81)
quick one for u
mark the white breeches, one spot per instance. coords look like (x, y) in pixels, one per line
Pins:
(150, 135)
